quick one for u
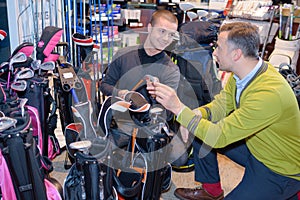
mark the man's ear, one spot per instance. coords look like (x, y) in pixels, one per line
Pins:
(237, 53)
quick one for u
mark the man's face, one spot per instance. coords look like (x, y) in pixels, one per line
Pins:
(223, 52)
(162, 34)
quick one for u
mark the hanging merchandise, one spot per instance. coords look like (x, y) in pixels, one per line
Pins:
(33, 16)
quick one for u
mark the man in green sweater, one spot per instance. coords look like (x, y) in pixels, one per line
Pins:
(255, 121)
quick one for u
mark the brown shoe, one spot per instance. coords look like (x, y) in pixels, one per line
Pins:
(197, 193)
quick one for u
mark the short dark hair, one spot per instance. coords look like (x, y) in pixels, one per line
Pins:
(243, 35)
(165, 14)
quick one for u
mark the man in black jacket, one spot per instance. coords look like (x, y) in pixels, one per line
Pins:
(131, 64)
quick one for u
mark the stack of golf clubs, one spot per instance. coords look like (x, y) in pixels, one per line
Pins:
(202, 15)
(23, 77)
(16, 76)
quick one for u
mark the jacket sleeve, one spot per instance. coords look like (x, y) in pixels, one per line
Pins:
(173, 77)
(110, 79)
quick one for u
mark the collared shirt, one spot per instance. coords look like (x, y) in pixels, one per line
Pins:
(241, 83)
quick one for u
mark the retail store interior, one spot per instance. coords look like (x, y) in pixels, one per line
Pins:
(63, 47)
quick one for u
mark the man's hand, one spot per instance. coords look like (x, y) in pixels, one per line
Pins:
(150, 80)
(166, 96)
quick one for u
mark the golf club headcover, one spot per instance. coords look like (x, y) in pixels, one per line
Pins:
(139, 108)
(3, 35)
(82, 40)
(137, 101)
(49, 39)
(52, 57)
(26, 48)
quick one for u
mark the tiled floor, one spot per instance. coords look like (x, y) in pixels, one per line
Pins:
(230, 172)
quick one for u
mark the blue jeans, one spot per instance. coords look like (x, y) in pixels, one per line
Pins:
(258, 182)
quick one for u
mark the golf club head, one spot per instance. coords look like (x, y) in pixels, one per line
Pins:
(19, 85)
(35, 65)
(185, 6)
(192, 15)
(212, 15)
(156, 110)
(18, 58)
(6, 123)
(4, 64)
(24, 73)
(201, 13)
(82, 146)
(48, 66)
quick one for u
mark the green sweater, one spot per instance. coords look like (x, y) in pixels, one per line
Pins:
(267, 118)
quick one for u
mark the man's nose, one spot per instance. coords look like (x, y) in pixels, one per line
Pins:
(165, 36)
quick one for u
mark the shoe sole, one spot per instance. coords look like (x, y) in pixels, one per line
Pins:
(180, 197)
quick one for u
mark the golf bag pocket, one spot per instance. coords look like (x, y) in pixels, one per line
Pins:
(128, 183)
(129, 174)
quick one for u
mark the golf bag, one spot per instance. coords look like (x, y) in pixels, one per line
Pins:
(39, 96)
(21, 159)
(193, 55)
(199, 82)
(142, 145)
(37, 92)
(292, 78)
(285, 51)
(90, 177)
(89, 149)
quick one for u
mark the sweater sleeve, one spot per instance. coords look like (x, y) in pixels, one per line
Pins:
(222, 105)
(259, 109)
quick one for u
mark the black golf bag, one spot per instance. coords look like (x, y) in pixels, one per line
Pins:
(198, 82)
(292, 78)
(21, 159)
(90, 177)
(142, 146)
(39, 96)
(89, 149)
(193, 54)
(38, 91)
